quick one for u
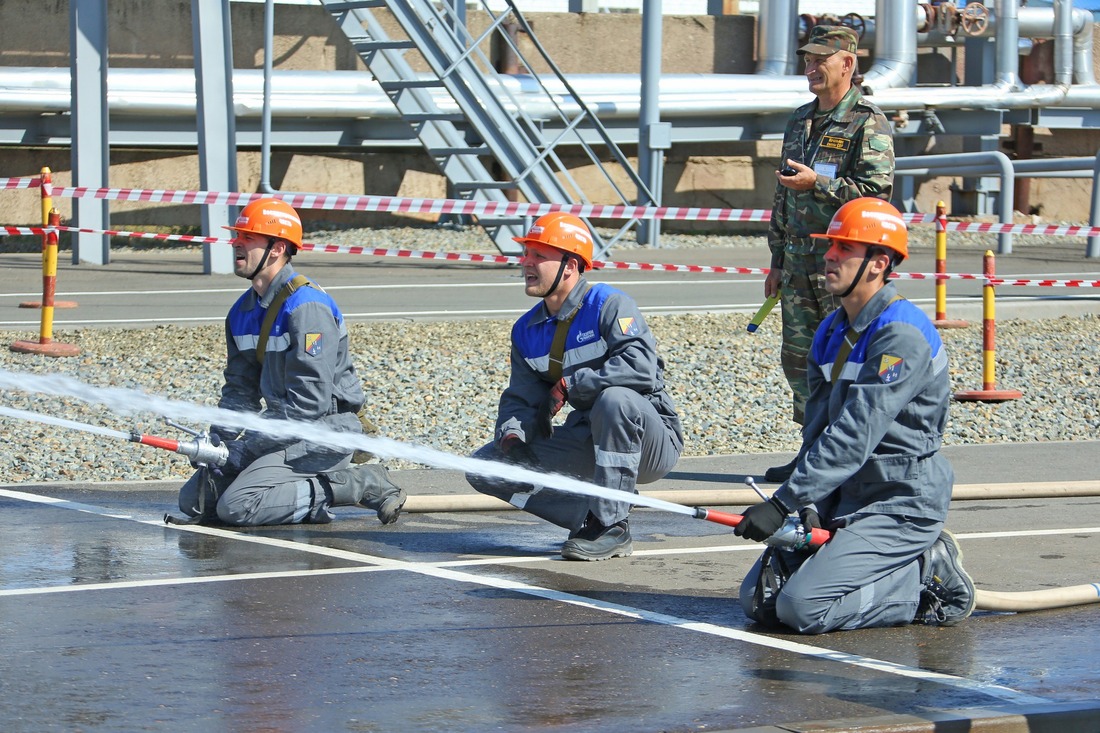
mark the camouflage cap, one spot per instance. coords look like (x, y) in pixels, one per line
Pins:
(825, 40)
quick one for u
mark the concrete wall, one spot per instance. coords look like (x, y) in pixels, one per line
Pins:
(144, 34)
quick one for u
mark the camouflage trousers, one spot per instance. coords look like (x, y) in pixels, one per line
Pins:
(805, 303)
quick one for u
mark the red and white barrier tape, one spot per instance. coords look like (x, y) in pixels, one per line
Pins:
(394, 204)
(20, 182)
(511, 260)
(1050, 230)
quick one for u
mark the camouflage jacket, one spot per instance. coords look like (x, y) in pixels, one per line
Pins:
(853, 153)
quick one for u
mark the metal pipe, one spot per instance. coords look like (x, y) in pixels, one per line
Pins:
(1092, 247)
(1082, 51)
(1063, 42)
(265, 125)
(650, 150)
(343, 94)
(777, 38)
(995, 160)
(1007, 64)
(895, 62)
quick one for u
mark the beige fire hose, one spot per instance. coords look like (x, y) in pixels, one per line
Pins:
(985, 600)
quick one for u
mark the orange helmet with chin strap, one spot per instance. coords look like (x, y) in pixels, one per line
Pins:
(869, 221)
(564, 232)
(271, 218)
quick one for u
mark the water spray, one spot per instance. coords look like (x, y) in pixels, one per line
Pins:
(202, 451)
(792, 534)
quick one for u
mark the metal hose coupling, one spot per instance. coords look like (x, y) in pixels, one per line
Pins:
(791, 536)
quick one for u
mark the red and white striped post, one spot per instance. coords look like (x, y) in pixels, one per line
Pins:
(46, 187)
(989, 391)
(941, 320)
(45, 344)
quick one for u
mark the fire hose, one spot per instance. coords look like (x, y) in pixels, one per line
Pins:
(792, 535)
(202, 450)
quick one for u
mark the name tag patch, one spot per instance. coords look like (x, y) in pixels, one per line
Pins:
(835, 143)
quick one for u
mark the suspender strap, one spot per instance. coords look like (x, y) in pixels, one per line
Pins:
(557, 346)
(850, 340)
(285, 292)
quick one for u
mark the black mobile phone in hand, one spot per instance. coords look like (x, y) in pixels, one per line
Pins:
(787, 170)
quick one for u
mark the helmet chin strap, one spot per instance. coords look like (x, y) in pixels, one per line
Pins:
(859, 274)
(263, 260)
(557, 278)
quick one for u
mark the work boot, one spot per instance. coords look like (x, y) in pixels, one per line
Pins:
(367, 485)
(594, 541)
(779, 474)
(948, 594)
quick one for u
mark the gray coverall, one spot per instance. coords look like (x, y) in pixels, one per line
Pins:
(623, 429)
(307, 375)
(869, 464)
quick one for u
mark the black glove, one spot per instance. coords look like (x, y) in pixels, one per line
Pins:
(238, 457)
(517, 452)
(811, 520)
(761, 521)
(225, 434)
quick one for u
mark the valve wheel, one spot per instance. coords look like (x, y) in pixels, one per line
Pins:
(975, 18)
(856, 22)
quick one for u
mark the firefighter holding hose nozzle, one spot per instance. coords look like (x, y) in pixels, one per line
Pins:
(869, 467)
(287, 358)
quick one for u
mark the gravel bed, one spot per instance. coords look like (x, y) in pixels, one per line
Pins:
(437, 384)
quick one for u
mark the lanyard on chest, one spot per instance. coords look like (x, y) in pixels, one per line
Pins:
(273, 310)
(850, 340)
(813, 131)
(557, 346)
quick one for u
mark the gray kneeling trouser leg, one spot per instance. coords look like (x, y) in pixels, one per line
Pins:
(620, 442)
(365, 484)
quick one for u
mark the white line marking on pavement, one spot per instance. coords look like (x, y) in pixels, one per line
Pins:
(996, 691)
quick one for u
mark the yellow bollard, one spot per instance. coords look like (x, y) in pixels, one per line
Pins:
(941, 320)
(989, 391)
(45, 344)
(46, 187)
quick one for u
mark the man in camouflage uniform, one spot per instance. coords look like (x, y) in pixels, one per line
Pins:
(836, 148)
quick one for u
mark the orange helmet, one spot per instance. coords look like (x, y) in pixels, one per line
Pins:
(561, 231)
(869, 221)
(271, 218)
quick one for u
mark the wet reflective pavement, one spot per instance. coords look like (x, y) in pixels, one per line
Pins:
(112, 620)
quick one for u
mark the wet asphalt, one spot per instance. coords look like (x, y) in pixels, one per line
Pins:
(112, 620)
(470, 621)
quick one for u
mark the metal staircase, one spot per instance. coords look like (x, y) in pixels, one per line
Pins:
(465, 115)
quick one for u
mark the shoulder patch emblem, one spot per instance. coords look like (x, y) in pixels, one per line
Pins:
(628, 326)
(889, 368)
(835, 143)
(312, 344)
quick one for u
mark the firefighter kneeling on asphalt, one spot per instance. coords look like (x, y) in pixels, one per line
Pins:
(586, 346)
(287, 353)
(869, 468)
